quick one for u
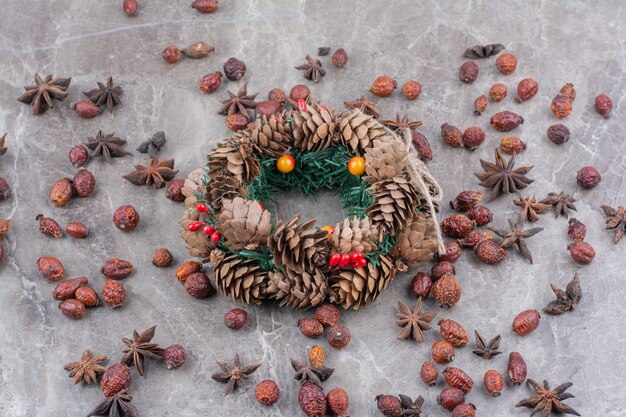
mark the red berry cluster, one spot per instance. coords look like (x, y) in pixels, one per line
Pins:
(207, 229)
(352, 260)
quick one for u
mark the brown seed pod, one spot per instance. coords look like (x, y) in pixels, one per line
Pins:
(49, 227)
(506, 64)
(186, 269)
(457, 225)
(453, 252)
(171, 54)
(300, 92)
(316, 356)
(61, 192)
(464, 410)
(174, 190)
(453, 333)
(480, 105)
(442, 351)
(588, 177)
(480, 214)
(338, 401)
(512, 144)
(447, 291)
(267, 392)
(114, 268)
(457, 378)
(561, 107)
(86, 109)
(429, 373)
(174, 356)
(526, 89)
(604, 105)
(235, 318)
(83, 183)
(5, 189)
(51, 268)
(115, 379)
(234, 69)
(72, 308)
(516, 369)
(79, 155)
(130, 7)
(65, 290)
(5, 226)
(421, 285)
(205, 6)
(411, 90)
(113, 293)
(473, 137)
(441, 268)
(568, 91)
(576, 230)
(497, 92)
(88, 296)
(505, 121)
(465, 200)
(493, 383)
(389, 405)
(198, 50)
(526, 321)
(266, 108)
(77, 230)
(210, 82)
(468, 72)
(312, 400)
(126, 218)
(199, 285)
(451, 135)
(474, 238)
(450, 397)
(236, 122)
(338, 337)
(489, 252)
(581, 252)
(340, 58)
(422, 145)
(277, 95)
(383, 86)
(558, 134)
(327, 314)
(162, 258)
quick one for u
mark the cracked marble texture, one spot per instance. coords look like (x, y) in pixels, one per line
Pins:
(555, 42)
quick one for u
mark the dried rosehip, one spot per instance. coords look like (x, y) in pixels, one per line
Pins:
(340, 58)
(497, 92)
(77, 230)
(526, 321)
(411, 90)
(174, 190)
(267, 392)
(235, 318)
(576, 230)
(457, 225)
(186, 269)
(61, 192)
(174, 356)
(468, 72)
(451, 135)
(130, 7)
(162, 258)
(199, 285)
(234, 69)
(588, 177)
(474, 238)
(526, 89)
(114, 268)
(489, 252)
(581, 252)
(48, 226)
(86, 109)
(338, 401)
(473, 137)
(450, 397)
(558, 134)
(210, 82)
(113, 293)
(5, 189)
(84, 183)
(115, 379)
(198, 50)
(277, 95)
(316, 356)
(236, 122)
(421, 285)
(464, 410)
(516, 369)
(568, 91)
(266, 108)
(383, 86)
(88, 296)
(72, 308)
(465, 200)
(441, 268)
(506, 64)
(66, 289)
(310, 327)
(338, 337)
(447, 291)
(327, 314)
(453, 252)
(505, 121)
(561, 107)
(422, 145)
(453, 333)
(480, 105)
(126, 218)
(300, 92)
(604, 105)
(480, 214)
(312, 400)
(429, 373)
(512, 144)
(442, 351)
(79, 155)
(51, 268)
(457, 378)
(171, 54)
(389, 405)
(493, 383)
(205, 6)
(5, 225)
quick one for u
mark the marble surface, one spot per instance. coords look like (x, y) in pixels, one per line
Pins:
(556, 42)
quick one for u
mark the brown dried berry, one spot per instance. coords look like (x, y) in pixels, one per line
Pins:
(186, 269)
(300, 92)
(310, 327)
(205, 6)
(473, 137)
(115, 379)
(312, 400)
(113, 293)
(5, 226)
(48, 226)
(86, 109)
(561, 107)
(210, 82)
(267, 392)
(236, 122)
(421, 285)
(429, 373)
(72, 308)
(5, 189)
(497, 92)
(516, 369)
(234, 69)
(66, 289)
(316, 356)
(441, 268)
(51, 268)
(442, 351)
(130, 7)
(526, 321)
(422, 145)
(411, 90)
(465, 200)
(489, 252)
(79, 155)
(512, 144)
(2, 252)
(162, 258)
(558, 134)
(235, 318)
(338, 402)
(88, 296)
(457, 225)
(453, 252)
(480, 105)
(389, 405)
(451, 135)
(277, 95)
(84, 183)
(77, 230)
(383, 86)
(506, 64)
(568, 91)
(526, 89)
(114, 268)
(450, 397)
(581, 252)
(464, 410)
(480, 214)
(171, 54)
(474, 238)
(457, 378)
(447, 291)
(588, 177)
(505, 121)
(327, 314)
(468, 72)
(576, 230)
(453, 333)
(199, 285)
(266, 108)
(174, 356)
(604, 105)
(198, 50)
(126, 218)
(61, 192)
(174, 190)
(340, 58)
(338, 337)
(493, 383)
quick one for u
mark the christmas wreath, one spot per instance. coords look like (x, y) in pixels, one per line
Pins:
(390, 196)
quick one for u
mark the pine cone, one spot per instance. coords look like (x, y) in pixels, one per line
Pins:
(353, 288)
(193, 184)
(241, 279)
(358, 130)
(298, 290)
(314, 128)
(395, 200)
(270, 137)
(223, 187)
(197, 243)
(236, 157)
(385, 159)
(243, 223)
(356, 235)
(416, 244)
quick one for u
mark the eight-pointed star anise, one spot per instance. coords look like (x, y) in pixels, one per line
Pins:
(516, 236)
(484, 349)
(616, 219)
(315, 374)
(565, 300)
(139, 348)
(312, 69)
(153, 145)
(233, 375)
(363, 104)
(411, 408)
(116, 406)
(531, 208)
(401, 123)
(109, 146)
(501, 176)
(546, 400)
(562, 203)
(105, 95)
(41, 95)
(238, 103)
(156, 174)
(87, 369)
(413, 322)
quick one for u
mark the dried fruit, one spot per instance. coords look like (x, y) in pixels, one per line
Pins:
(457, 225)
(588, 177)
(61, 192)
(106, 146)
(576, 230)
(452, 332)
(616, 219)
(277, 95)
(199, 285)
(312, 69)
(129, 7)
(210, 82)
(604, 105)
(77, 230)
(484, 349)
(421, 285)
(450, 397)
(106, 95)
(314, 373)
(531, 208)
(526, 322)
(480, 214)
(140, 347)
(51, 268)
(84, 183)
(327, 314)
(464, 410)
(389, 405)
(186, 269)
(316, 356)
(87, 296)
(267, 392)
(205, 6)
(517, 235)
(483, 51)
(442, 351)
(152, 146)
(497, 92)
(162, 258)
(236, 122)
(562, 203)
(235, 318)
(383, 86)
(88, 369)
(489, 252)
(234, 69)
(5, 189)
(506, 64)
(114, 268)
(79, 155)
(113, 293)
(86, 109)
(422, 145)
(581, 252)
(44, 92)
(338, 402)
(174, 356)
(65, 290)
(480, 105)
(465, 200)
(48, 226)
(447, 291)
(561, 107)
(72, 308)
(340, 58)
(198, 50)
(5, 226)
(505, 121)
(115, 379)
(338, 337)
(413, 322)
(299, 92)
(457, 378)
(493, 383)
(516, 369)
(310, 327)
(266, 108)
(547, 401)
(453, 252)
(451, 135)
(429, 373)
(473, 137)
(411, 90)
(468, 72)
(526, 89)
(565, 300)
(441, 268)
(126, 218)
(156, 174)
(312, 400)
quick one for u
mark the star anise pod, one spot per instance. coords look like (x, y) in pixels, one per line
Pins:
(616, 219)
(413, 322)
(565, 300)
(139, 348)
(41, 95)
(531, 208)
(501, 177)
(480, 51)
(116, 406)
(516, 236)
(105, 95)
(546, 400)
(238, 103)
(363, 104)
(156, 174)
(233, 375)
(3, 148)
(88, 369)
(312, 69)
(153, 145)
(401, 123)
(486, 350)
(315, 374)
(562, 203)
(109, 146)
(411, 408)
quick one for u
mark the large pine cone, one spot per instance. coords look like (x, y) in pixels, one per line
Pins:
(197, 243)
(236, 157)
(385, 159)
(241, 279)
(270, 137)
(314, 128)
(243, 223)
(358, 130)
(223, 187)
(416, 244)
(394, 203)
(192, 185)
(355, 235)
(297, 289)
(353, 288)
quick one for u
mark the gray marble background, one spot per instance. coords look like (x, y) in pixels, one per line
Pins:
(556, 42)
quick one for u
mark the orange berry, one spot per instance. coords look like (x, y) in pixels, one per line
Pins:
(285, 164)
(356, 166)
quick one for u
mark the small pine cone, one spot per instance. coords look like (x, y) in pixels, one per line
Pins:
(241, 279)
(298, 290)
(314, 128)
(193, 185)
(446, 291)
(354, 235)
(416, 244)
(385, 159)
(429, 373)
(244, 224)
(457, 378)
(197, 243)
(235, 156)
(115, 379)
(299, 247)
(357, 130)
(223, 187)
(453, 332)
(270, 135)
(394, 204)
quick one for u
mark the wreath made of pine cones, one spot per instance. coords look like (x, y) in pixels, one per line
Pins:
(391, 226)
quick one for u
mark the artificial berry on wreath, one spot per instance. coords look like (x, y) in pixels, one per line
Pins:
(356, 165)
(301, 104)
(285, 164)
(328, 229)
(352, 260)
